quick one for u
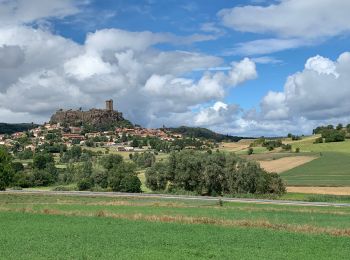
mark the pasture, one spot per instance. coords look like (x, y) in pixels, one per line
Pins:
(68, 227)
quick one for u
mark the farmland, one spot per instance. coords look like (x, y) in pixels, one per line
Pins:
(124, 228)
(331, 169)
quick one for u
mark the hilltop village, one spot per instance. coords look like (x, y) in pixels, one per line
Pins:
(98, 128)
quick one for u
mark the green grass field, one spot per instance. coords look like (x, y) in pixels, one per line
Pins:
(331, 169)
(307, 145)
(68, 227)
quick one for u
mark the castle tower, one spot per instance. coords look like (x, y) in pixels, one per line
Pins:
(109, 105)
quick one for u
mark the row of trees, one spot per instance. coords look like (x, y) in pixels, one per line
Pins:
(215, 173)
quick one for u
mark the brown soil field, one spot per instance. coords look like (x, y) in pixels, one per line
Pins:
(286, 163)
(321, 190)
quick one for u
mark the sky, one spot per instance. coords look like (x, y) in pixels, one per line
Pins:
(251, 68)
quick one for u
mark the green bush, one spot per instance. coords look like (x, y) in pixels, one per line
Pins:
(122, 178)
(130, 183)
(6, 169)
(84, 184)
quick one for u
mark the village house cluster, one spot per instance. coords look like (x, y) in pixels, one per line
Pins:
(75, 135)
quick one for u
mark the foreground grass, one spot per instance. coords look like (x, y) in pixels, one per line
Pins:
(37, 236)
(69, 227)
(330, 169)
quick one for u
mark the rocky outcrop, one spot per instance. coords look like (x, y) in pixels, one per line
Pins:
(95, 118)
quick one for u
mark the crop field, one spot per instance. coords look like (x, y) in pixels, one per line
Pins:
(69, 227)
(330, 169)
(285, 163)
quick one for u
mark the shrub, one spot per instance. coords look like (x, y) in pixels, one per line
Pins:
(318, 140)
(84, 184)
(2, 185)
(17, 166)
(250, 151)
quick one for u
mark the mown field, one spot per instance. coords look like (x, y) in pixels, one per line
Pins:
(68, 227)
(330, 169)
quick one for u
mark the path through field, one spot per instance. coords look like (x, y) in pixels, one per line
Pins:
(320, 190)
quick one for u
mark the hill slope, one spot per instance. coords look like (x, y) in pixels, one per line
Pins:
(200, 132)
(12, 128)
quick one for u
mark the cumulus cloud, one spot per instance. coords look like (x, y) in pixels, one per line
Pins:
(46, 72)
(319, 94)
(11, 56)
(218, 114)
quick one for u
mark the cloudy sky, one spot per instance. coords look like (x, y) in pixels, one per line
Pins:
(250, 68)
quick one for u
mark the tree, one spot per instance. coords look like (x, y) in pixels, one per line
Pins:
(156, 176)
(111, 160)
(145, 159)
(40, 160)
(6, 170)
(135, 142)
(120, 178)
(339, 127)
(130, 183)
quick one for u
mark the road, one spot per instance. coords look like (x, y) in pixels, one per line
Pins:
(176, 197)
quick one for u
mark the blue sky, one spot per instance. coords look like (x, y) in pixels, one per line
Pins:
(220, 64)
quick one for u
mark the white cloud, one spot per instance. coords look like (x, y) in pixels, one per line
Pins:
(217, 115)
(266, 60)
(321, 65)
(11, 56)
(23, 11)
(318, 94)
(291, 18)
(289, 24)
(48, 72)
(211, 28)
(266, 46)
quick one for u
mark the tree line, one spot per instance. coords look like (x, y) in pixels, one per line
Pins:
(216, 173)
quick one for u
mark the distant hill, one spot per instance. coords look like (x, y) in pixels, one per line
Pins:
(200, 132)
(12, 128)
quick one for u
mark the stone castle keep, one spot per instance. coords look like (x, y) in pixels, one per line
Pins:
(93, 117)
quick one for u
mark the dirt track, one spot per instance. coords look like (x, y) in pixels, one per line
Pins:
(286, 163)
(321, 190)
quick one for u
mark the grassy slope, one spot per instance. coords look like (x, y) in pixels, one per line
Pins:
(307, 145)
(42, 236)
